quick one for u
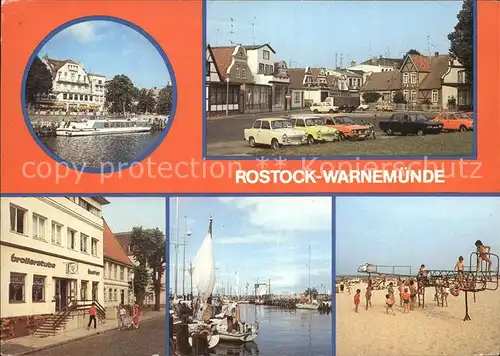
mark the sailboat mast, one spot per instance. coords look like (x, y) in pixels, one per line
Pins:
(176, 245)
(309, 264)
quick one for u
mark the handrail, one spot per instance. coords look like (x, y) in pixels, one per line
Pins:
(63, 313)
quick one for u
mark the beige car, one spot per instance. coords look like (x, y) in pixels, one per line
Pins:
(275, 132)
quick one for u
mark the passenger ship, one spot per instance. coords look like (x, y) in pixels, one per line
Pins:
(102, 127)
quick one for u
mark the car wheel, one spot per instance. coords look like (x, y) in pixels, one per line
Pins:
(389, 132)
(420, 132)
(342, 136)
(251, 142)
(463, 128)
(315, 111)
(311, 140)
(275, 144)
(331, 111)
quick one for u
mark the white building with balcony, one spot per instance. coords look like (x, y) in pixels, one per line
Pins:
(52, 256)
(271, 80)
(73, 88)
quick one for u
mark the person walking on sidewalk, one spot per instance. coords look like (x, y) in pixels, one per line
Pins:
(137, 315)
(121, 317)
(92, 316)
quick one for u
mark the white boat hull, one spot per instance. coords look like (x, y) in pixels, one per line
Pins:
(98, 132)
(307, 306)
(237, 337)
(213, 341)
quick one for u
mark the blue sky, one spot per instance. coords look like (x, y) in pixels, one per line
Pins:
(109, 48)
(308, 33)
(122, 214)
(259, 238)
(413, 230)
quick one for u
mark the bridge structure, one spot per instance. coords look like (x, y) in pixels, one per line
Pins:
(474, 279)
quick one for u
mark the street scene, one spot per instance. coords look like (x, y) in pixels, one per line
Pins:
(411, 264)
(88, 108)
(250, 276)
(383, 88)
(76, 284)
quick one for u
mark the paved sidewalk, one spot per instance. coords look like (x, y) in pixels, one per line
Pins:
(29, 344)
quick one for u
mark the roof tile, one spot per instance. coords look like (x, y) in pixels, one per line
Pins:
(113, 249)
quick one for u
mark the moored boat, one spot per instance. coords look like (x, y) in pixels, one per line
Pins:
(307, 306)
(102, 127)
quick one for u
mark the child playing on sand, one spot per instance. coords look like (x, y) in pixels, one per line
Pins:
(482, 254)
(389, 302)
(390, 290)
(368, 294)
(406, 301)
(401, 290)
(413, 293)
(357, 299)
(459, 267)
(446, 292)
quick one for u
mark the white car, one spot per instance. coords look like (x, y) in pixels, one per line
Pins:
(274, 133)
(363, 107)
(324, 108)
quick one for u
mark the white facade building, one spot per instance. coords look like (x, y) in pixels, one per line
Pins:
(73, 88)
(52, 253)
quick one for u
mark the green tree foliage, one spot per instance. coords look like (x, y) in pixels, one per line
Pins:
(142, 279)
(371, 97)
(120, 93)
(399, 98)
(462, 38)
(147, 101)
(164, 101)
(148, 246)
(39, 80)
(413, 51)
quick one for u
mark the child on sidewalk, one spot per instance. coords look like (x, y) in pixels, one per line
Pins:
(357, 300)
(389, 303)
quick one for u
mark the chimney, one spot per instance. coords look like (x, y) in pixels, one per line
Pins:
(436, 54)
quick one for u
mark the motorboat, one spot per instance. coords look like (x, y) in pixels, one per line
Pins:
(102, 127)
(308, 306)
(246, 332)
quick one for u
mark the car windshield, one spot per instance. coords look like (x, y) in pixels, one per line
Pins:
(315, 122)
(462, 115)
(347, 120)
(281, 124)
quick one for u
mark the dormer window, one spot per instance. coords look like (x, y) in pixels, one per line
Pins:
(243, 73)
(265, 54)
(413, 78)
(238, 72)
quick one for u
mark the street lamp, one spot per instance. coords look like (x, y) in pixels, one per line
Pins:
(191, 270)
(227, 95)
(184, 244)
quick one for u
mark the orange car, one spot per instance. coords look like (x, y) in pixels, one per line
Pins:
(455, 121)
(348, 128)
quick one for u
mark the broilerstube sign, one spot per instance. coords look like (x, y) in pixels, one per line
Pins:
(30, 261)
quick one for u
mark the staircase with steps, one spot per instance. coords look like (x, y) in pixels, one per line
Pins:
(50, 326)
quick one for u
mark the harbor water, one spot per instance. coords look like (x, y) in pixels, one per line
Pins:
(284, 333)
(101, 152)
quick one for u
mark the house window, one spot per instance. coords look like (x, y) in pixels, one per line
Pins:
(238, 72)
(461, 76)
(405, 78)
(114, 272)
(110, 296)
(278, 95)
(105, 271)
(261, 68)
(110, 275)
(56, 233)
(93, 247)
(38, 289)
(17, 219)
(243, 73)
(115, 295)
(414, 78)
(207, 67)
(83, 290)
(265, 54)
(84, 240)
(296, 97)
(413, 96)
(218, 95)
(38, 227)
(71, 239)
(405, 94)
(122, 273)
(16, 287)
(435, 96)
(105, 295)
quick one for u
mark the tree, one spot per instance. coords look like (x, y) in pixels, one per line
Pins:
(39, 80)
(120, 94)
(141, 282)
(462, 38)
(147, 101)
(164, 101)
(371, 97)
(399, 98)
(148, 246)
(413, 51)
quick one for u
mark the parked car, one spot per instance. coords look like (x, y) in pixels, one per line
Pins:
(315, 129)
(455, 121)
(348, 128)
(363, 107)
(384, 107)
(324, 108)
(275, 132)
(410, 123)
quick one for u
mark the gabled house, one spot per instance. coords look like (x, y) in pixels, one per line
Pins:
(311, 85)
(384, 83)
(271, 80)
(229, 71)
(456, 87)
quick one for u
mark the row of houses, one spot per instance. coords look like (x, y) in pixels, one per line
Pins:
(248, 79)
(56, 251)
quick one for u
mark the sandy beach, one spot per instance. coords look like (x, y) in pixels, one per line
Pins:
(430, 331)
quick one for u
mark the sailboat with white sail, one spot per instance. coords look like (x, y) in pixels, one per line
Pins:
(310, 304)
